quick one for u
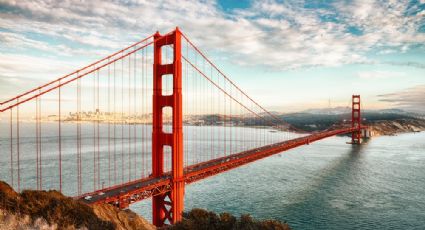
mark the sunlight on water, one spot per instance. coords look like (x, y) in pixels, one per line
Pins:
(201, 143)
(326, 185)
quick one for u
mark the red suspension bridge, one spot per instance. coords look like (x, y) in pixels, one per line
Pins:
(142, 123)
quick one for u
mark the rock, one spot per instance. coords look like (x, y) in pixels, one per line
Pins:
(393, 127)
(123, 219)
(52, 210)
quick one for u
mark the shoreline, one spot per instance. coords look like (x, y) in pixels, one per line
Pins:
(379, 128)
(395, 127)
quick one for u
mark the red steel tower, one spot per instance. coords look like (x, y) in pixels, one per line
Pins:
(356, 120)
(168, 207)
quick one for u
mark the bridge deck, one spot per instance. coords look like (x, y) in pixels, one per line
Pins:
(125, 194)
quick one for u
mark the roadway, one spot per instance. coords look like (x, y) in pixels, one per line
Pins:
(125, 194)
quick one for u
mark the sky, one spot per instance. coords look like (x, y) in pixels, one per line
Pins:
(288, 55)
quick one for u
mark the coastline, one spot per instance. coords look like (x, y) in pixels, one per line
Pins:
(395, 127)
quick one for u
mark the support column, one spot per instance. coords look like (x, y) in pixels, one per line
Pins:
(356, 120)
(168, 208)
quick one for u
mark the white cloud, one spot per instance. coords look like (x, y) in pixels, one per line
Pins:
(281, 36)
(411, 99)
(31, 71)
(380, 74)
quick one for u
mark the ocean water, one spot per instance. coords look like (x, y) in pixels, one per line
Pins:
(106, 160)
(325, 185)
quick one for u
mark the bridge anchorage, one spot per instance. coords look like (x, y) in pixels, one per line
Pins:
(167, 118)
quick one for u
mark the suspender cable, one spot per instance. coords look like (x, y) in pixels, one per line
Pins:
(78, 138)
(223, 90)
(231, 123)
(225, 122)
(79, 177)
(143, 152)
(122, 120)
(11, 148)
(211, 125)
(145, 128)
(73, 79)
(109, 125)
(185, 102)
(148, 82)
(37, 143)
(195, 129)
(94, 132)
(18, 147)
(115, 126)
(60, 140)
(134, 118)
(97, 129)
(184, 97)
(277, 119)
(129, 117)
(40, 145)
(38, 130)
(84, 68)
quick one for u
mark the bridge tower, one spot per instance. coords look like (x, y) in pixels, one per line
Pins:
(356, 120)
(167, 208)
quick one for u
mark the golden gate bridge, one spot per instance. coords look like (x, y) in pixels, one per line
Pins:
(142, 123)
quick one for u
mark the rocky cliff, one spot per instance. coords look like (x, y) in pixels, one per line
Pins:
(393, 127)
(52, 210)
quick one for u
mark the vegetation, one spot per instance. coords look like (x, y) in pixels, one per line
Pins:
(313, 122)
(51, 206)
(309, 121)
(202, 219)
(62, 212)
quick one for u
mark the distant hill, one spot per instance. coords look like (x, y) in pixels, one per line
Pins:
(343, 110)
(381, 122)
(320, 121)
(329, 111)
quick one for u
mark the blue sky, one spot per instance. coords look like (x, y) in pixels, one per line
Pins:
(288, 55)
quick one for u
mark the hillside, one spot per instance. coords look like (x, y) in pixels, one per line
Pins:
(52, 210)
(393, 127)
(202, 219)
(382, 123)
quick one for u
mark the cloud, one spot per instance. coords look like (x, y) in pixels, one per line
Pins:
(278, 35)
(12, 64)
(411, 99)
(380, 74)
(21, 43)
(18, 70)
